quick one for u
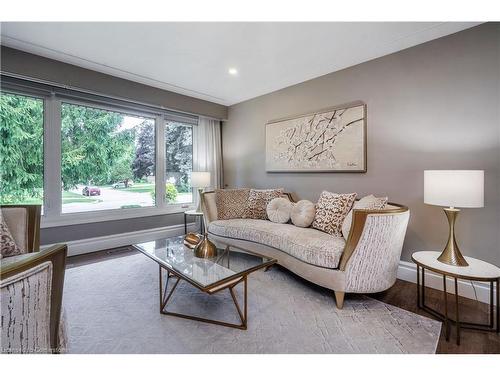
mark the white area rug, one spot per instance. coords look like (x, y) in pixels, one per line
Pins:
(113, 307)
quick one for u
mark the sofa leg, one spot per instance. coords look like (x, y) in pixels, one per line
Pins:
(339, 298)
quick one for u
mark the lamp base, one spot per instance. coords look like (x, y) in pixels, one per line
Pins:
(451, 254)
(200, 192)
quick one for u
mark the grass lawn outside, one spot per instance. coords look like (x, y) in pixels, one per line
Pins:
(143, 187)
(27, 201)
(70, 197)
(140, 188)
(67, 197)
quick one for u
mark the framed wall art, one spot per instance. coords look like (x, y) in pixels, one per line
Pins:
(329, 140)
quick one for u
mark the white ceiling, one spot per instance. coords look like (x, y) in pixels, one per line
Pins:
(194, 58)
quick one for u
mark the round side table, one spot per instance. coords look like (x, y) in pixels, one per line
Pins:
(476, 271)
(197, 214)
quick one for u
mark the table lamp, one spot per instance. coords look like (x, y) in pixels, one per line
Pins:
(452, 189)
(200, 180)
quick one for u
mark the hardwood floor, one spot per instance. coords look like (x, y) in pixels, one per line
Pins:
(403, 294)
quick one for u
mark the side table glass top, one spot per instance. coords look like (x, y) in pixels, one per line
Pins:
(226, 266)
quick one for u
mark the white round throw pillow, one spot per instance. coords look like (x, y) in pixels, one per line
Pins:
(278, 210)
(303, 213)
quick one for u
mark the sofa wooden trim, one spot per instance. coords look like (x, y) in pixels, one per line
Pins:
(359, 217)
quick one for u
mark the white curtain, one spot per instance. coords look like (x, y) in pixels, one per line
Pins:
(207, 152)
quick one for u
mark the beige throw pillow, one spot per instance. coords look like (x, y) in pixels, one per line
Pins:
(278, 210)
(231, 203)
(331, 211)
(370, 202)
(258, 201)
(303, 213)
(8, 246)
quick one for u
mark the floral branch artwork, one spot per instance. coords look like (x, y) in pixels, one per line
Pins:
(326, 141)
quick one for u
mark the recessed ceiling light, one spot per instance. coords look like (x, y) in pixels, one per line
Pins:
(233, 71)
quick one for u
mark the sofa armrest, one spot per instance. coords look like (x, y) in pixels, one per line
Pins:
(56, 255)
(359, 219)
(373, 249)
(208, 207)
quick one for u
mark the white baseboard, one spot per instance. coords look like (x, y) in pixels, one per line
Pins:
(408, 271)
(90, 245)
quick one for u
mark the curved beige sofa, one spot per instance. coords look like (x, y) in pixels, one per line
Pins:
(366, 262)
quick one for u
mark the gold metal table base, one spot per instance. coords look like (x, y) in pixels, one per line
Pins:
(165, 297)
(493, 324)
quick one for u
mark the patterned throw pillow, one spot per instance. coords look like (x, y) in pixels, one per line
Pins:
(370, 202)
(231, 203)
(258, 201)
(8, 245)
(331, 211)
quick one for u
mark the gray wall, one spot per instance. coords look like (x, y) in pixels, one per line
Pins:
(433, 106)
(29, 65)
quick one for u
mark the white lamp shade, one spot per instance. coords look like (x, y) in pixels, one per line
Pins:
(454, 188)
(200, 179)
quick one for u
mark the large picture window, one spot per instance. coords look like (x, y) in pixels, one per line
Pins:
(21, 149)
(179, 162)
(104, 158)
(107, 159)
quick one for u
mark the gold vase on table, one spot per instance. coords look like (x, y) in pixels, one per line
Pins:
(205, 249)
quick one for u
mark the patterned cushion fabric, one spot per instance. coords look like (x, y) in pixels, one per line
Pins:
(370, 202)
(8, 245)
(331, 211)
(306, 244)
(258, 201)
(231, 203)
(303, 213)
(279, 209)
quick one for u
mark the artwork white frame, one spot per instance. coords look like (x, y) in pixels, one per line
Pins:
(328, 140)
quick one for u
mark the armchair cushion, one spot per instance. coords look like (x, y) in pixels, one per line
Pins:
(8, 245)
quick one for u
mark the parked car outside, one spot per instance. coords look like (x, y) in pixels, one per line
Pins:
(121, 184)
(90, 191)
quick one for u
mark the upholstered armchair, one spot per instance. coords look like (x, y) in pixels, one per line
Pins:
(31, 287)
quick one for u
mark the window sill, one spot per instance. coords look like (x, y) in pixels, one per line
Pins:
(111, 215)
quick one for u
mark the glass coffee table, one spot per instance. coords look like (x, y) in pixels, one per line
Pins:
(212, 275)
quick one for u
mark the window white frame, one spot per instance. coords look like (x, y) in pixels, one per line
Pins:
(52, 199)
(194, 191)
